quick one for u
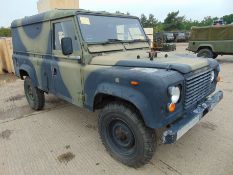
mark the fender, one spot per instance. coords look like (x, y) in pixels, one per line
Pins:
(206, 45)
(30, 72)
(129, 94)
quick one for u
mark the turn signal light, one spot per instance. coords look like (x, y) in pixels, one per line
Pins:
(171, 107)
(134, 83)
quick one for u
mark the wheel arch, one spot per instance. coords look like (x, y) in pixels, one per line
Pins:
(210, 47)
(102, 99)
(137, 101)
(26, 70)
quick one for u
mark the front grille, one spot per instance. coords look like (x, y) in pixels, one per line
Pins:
(197, 86)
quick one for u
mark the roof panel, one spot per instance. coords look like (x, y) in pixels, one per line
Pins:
(56, 14)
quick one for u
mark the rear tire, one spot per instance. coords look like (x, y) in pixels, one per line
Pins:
(205, 53)
(34, 96)
(125, 136)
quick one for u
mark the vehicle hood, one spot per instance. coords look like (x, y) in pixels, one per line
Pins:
(129, 59)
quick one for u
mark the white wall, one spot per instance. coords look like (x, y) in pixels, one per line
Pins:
(150, 34)
(46, 5)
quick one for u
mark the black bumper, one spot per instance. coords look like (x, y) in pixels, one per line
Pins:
(178, 129)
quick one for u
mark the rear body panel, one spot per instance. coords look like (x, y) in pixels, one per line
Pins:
(217, 38)
(220, 47)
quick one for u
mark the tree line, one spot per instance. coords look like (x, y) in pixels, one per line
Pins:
(5, 32)
(174, 22)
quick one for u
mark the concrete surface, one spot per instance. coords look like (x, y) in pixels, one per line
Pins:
(63, 139)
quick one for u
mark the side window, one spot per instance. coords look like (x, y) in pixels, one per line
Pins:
(61, 30)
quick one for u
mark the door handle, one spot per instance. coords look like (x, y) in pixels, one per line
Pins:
(54, 71)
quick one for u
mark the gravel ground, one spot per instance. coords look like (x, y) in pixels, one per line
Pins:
(63, 139)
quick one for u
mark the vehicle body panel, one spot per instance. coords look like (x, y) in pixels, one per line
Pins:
(217, 38)
(106, 68)
(215, 46)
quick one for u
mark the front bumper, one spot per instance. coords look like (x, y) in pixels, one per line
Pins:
(178, 129)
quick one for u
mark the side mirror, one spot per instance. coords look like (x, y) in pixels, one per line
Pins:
(66, 46)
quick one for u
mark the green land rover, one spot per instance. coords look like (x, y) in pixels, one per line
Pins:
(99, 60)
(209, 42)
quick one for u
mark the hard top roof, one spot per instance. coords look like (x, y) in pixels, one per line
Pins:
(60, 13)
(215, 26)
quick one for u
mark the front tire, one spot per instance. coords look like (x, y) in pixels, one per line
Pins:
(215, 55)
(34, 96)
(205, 53)
(125, 135)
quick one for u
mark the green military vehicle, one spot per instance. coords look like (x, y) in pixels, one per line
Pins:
(211, 41)
(99, 60)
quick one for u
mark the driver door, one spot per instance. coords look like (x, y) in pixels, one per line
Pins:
(66, 70)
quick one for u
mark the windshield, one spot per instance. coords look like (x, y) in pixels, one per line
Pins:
(99, 29)
(181, 34)
(169, 34)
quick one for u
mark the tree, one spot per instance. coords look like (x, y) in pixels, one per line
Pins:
(143, 20)
(173, 21)
(208, 21)
(228, 19)
(150, 22)
(5, 32)
(188, 24)
(159, 27)
(118, 12)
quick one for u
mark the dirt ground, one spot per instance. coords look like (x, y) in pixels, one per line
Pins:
(63, 139)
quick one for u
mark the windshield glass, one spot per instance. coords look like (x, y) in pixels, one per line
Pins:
(169, 34)
(97, 29)
(181, 34)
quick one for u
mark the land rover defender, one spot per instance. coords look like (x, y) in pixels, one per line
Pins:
(99, 60)
(211, 41)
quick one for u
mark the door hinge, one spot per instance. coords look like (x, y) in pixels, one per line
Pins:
(81, 97)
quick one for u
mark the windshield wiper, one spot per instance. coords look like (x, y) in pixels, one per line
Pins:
(114, 40)
(109, 41)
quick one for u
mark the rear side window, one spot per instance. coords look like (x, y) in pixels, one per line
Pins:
(61, 30)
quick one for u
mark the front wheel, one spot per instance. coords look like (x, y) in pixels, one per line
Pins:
(34, 96)
(205, 53)
(125, 135)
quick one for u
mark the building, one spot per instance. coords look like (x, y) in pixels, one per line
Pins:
(150, 34)
(46, 5)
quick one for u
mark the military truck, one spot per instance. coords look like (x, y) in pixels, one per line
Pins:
(169, 36)
(160, 44)
(99, 60)
(211, 41)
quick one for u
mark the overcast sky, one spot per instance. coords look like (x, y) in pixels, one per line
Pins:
(194, 9)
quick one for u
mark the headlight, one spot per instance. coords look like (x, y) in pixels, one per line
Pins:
(174, 92)
(212, 76)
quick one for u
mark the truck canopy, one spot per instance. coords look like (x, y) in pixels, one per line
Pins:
(212, 33)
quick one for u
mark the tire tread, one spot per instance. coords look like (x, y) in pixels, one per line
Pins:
(148, 134)
(39, 95)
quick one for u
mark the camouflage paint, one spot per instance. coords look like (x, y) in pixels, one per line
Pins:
(129, 58)
(106, 69)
